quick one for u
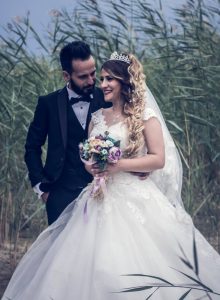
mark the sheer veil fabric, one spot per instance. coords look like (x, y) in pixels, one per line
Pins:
(169, 179)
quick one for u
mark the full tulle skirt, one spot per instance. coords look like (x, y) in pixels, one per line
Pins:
(89, 252)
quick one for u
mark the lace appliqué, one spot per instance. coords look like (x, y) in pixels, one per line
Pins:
(137, 212)
(149, 113)
(97, 117)
(105, 208)
(99, 126)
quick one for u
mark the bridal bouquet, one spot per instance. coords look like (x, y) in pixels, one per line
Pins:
(101, 149)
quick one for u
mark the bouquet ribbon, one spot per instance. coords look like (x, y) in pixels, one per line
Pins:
(100, 150)
(99, 183)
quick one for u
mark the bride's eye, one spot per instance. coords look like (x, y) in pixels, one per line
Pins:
(109, 78)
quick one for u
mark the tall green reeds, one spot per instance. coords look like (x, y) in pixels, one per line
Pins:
(182, 66)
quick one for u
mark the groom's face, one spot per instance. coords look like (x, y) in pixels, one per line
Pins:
(83, 77)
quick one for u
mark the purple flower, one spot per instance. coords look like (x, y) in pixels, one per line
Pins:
(114, 154)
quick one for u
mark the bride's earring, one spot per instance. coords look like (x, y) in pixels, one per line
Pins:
(130, 92)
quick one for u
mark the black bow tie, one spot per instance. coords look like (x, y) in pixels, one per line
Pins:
(76, 100)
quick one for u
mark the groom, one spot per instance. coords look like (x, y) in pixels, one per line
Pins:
(62, 118)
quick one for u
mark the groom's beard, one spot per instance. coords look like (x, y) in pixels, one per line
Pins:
(88, 90)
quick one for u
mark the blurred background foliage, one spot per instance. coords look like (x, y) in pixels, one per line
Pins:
(182, 66)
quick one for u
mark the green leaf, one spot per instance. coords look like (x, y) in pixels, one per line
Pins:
(195, 280)
(31, 217)
(149, 276)
(195, 256)
(152, 294)
(186, 262)
(200, 120)
(184, 295)
(175, 125)
(117, 144)
(136, 289)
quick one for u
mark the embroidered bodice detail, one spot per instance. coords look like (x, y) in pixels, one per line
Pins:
(117, 130)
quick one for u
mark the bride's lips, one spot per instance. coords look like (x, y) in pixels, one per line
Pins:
(107, 92)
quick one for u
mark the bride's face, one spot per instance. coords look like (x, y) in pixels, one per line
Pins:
(111, 87)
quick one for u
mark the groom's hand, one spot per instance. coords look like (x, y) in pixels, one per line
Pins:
(44, 197)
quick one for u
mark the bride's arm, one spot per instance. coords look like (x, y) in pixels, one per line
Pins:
(153, 160)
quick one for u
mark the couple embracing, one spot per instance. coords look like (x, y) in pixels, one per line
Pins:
(137, 226)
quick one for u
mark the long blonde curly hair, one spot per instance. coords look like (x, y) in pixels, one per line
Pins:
(133, 89)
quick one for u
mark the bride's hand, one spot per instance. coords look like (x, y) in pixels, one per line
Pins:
(96, 172)
(88, 168)
(112, 169)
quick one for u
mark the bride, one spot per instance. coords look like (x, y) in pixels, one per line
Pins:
(137, 242)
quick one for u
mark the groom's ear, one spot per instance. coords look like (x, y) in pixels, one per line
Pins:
(66, 76)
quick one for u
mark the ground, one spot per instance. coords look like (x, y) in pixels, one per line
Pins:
(9, 258)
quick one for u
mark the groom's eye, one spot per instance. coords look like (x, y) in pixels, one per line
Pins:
(93, 73)
(83, 77)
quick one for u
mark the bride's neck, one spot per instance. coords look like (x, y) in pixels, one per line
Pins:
(118, 107)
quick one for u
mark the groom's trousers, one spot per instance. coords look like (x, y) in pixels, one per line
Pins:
(59, 198)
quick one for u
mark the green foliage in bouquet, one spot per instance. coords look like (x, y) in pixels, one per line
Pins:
(101, 149)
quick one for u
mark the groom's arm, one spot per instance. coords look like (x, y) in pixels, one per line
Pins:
(141, 175)
(36, 138)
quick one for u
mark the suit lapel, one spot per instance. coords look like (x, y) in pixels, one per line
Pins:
(92, 108)
(88, 119)
(62, 109)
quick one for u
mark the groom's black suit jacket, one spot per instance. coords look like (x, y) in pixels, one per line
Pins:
(51, 121)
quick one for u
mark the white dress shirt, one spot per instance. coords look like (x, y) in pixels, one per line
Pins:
(80, 109)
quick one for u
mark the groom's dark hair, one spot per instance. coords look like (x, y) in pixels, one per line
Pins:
(74, 50)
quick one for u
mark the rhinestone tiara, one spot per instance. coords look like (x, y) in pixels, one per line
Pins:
(121, 57)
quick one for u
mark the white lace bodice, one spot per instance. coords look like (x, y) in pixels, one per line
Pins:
(118, 131)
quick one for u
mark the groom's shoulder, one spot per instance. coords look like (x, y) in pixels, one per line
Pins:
(52, 97)
(98, 92)
(99, 98)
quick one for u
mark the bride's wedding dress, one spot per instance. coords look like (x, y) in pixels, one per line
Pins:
(134, 230)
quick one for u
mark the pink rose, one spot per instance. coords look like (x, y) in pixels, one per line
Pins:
(114, 154)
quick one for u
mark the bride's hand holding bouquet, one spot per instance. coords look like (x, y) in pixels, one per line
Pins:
(100, 155)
